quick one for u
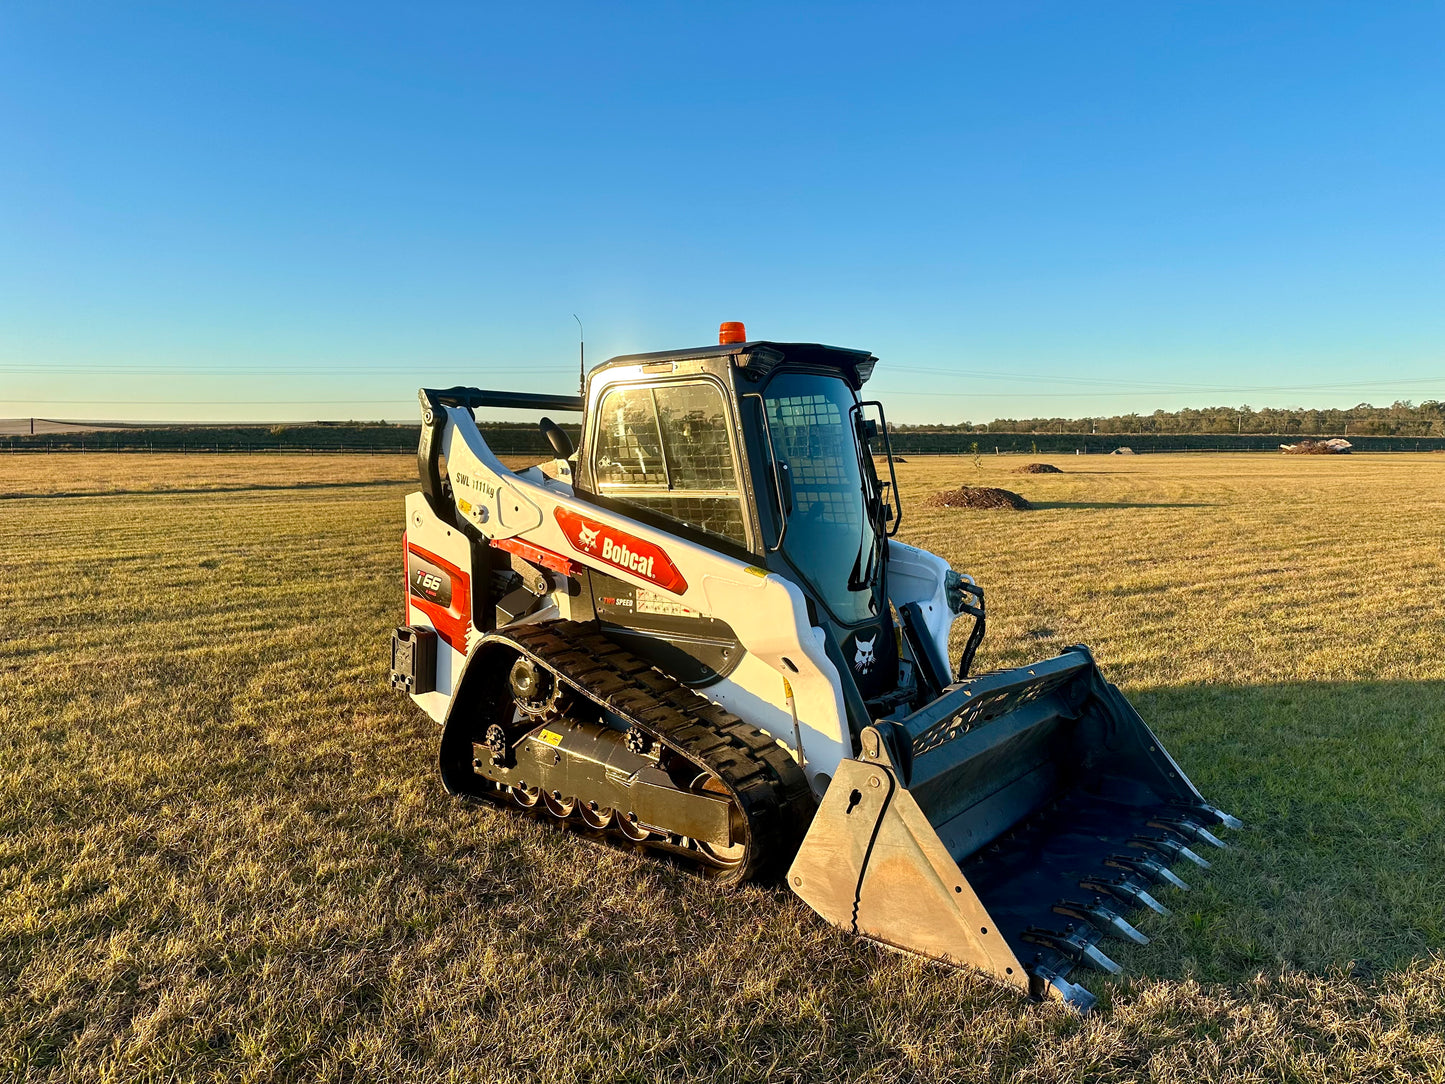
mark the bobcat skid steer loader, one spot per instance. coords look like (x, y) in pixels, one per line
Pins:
(698, 634)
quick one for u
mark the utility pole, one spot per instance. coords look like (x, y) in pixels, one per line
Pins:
(581, 357)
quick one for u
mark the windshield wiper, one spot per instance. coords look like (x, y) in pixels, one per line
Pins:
(855, 581)
(864, 581)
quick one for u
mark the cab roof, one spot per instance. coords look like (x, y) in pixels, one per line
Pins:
(763, 355)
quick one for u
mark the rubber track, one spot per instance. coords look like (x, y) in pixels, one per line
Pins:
(763, 779)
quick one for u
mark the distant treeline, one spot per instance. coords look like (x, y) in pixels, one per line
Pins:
(1401, 419)
(504, 438)
(518, 439)
(915, 442)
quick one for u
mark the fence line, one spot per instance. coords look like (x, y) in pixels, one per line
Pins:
(528, 442)
(225, 449)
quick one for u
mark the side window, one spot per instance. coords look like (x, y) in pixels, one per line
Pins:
(667, 449)
(629, 447)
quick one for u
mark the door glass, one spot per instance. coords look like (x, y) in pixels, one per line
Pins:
(829, 538)
(695, 434)
(667, 449)
(629, 448)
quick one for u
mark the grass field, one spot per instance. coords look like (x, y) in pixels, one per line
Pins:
(224, 852)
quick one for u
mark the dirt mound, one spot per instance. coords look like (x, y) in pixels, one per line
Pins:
(1038, 468)
(977, 497)
(1122, 451)
(1317, 447)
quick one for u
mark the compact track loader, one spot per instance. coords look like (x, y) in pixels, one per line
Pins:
(697, 634)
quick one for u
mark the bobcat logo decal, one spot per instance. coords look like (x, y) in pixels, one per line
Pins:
(863, 657)
(612, 545)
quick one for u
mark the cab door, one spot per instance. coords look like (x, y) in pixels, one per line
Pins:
(668, 451)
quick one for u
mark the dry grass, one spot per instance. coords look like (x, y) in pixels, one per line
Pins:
(225, 854)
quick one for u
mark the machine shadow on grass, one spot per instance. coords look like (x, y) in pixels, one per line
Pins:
(1337, 872)
(1341, 787)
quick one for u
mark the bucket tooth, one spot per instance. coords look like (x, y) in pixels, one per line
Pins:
(1209, 837)
(1093, 956)
(1155, 871)
(1127, 891)
(1211, 811)
(1172, 848)
(1105, 919)
(1070, 993)
(1223, 817)
(1075, 945)
(1189, 829)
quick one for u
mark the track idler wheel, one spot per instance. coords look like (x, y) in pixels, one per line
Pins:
(598, 817)
(722, 857)
(628, 825)
(497, 744)
(524, 796)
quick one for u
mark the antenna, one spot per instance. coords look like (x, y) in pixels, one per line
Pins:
(581, 359)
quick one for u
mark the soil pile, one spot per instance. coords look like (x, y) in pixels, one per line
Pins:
(1038, 468)
(977, 497)
(1317, 447)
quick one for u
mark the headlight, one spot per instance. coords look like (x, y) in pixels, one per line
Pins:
(953, 589)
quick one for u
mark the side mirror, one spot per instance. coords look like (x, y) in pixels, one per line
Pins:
(557, 437)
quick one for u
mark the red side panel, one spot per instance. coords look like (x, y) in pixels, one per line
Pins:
(621, 550)
(537, 555)
(442, 591)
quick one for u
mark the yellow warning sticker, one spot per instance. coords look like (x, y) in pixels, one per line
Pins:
(753, 570)
(550, 738)
(787, 689)
(464, 504)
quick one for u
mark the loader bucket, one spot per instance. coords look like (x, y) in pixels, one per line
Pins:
(1010, 825)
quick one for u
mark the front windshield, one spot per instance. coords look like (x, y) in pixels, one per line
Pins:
(829, 538)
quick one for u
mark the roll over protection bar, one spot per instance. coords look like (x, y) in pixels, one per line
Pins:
(434, 420)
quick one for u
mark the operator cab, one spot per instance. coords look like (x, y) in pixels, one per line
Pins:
(759, 450)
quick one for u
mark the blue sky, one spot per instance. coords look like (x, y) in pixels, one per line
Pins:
(283, 211)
